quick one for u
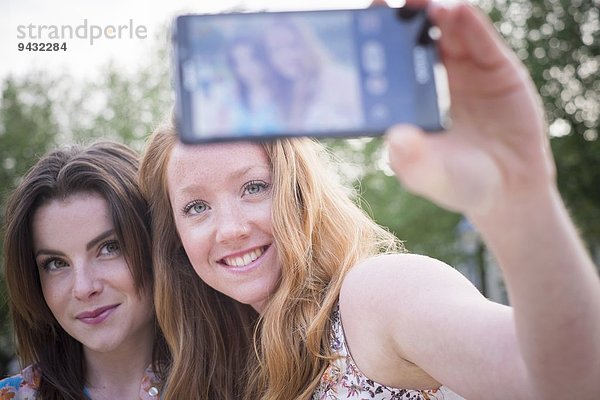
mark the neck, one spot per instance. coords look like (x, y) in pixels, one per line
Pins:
(120, 371)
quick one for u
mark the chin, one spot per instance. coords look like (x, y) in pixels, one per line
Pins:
(105, 345)
(259, 302)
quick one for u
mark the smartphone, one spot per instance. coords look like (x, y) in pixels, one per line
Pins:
(326, 73)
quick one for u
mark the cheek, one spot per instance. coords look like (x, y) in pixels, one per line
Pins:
(54, 294)
(196, 245)
(146, 306)
(123, 280)
(266, 217)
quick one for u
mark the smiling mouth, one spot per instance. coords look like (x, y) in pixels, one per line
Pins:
(244, 259)
(96, 316)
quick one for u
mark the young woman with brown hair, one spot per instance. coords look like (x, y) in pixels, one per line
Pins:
(272, 284)
(77, 259)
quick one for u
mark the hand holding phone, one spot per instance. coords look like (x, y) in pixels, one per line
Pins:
(317, 73)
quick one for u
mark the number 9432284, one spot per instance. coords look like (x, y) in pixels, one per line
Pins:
(44, 46)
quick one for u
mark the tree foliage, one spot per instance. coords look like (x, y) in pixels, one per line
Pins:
(422, 226)
(559, 42)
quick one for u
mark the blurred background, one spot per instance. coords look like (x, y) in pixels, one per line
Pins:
(121, 89)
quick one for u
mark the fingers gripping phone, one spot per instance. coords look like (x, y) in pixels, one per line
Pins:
(332, 73)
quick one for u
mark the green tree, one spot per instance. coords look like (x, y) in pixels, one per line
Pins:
(559, 42)
(125, 106)
(422, 226)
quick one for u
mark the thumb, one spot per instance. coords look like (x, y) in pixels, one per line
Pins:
(413, 160)
(441, 168)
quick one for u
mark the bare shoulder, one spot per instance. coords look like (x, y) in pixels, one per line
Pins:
(401, 275)
(388, 302)
(392, 308)
(388, 291)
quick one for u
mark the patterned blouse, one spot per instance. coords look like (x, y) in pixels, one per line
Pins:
(343, 380)
(25, 385)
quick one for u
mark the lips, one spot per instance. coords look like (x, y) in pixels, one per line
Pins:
(96, 316)
(245, 258)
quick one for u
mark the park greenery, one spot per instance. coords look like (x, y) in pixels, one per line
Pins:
(558, 40)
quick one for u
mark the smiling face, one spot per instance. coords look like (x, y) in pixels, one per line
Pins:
(221, 197)
(85, 278)
(289, 53)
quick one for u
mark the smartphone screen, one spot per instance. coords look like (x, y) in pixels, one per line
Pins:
(316, 73)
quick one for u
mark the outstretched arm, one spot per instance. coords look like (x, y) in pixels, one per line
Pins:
(495, 166)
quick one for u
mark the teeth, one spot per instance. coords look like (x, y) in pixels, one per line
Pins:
(241, 261)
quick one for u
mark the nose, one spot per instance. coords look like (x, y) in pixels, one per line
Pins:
(232, 224)
(86, 283)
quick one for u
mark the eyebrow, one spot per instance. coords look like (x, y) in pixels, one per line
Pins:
(99, 238)
(88, 246)
(193, 187)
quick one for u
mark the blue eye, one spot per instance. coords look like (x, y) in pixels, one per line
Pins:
(52, 264)
(255, 187)
(110, 248)
(195, 207)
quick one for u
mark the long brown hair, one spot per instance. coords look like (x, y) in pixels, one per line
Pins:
(109, 169)
(320, 233)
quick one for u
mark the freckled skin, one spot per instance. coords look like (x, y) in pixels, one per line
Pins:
(229, 188)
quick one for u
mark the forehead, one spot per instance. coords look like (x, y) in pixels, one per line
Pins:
(74, 204)
(213, 160)
(79, 215)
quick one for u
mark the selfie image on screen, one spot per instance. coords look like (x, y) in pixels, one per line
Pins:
(273, 73)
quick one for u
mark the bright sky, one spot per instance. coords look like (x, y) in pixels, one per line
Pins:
(83, 60)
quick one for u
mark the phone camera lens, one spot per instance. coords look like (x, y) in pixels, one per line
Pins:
(427, 36)
(407, 13)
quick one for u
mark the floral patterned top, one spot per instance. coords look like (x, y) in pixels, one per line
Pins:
(24, 386)
(343, 380)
